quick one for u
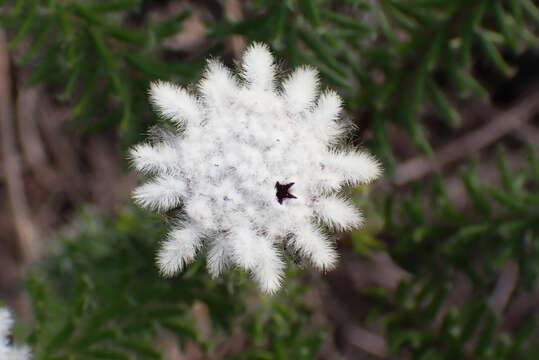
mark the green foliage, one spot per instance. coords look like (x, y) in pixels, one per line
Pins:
(392, 58)
(282, 330)
(448, 251)
(101, 297)
(389, 58)
(96, 57)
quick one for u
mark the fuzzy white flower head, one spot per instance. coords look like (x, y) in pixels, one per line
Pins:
(253, 166)
(7, 351)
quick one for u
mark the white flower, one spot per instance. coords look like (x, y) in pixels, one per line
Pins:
(253, 165)
(7, 351)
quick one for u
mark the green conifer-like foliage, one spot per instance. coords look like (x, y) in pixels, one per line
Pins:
(489, 252)
(95, 55)
(390, 58)
(100, 296)
(393, 58)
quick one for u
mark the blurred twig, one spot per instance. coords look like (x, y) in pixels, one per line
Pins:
(31, 142)
(26, 231)
(505, 287)
(505, 122)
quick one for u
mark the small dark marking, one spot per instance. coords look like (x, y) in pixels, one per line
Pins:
(283, 192)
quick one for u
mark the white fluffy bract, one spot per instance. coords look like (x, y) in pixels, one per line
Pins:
(7, 351)
(238, 136)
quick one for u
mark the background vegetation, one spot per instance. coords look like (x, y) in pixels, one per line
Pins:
(445, 92)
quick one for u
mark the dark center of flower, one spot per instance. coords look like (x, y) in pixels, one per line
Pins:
(283, 192)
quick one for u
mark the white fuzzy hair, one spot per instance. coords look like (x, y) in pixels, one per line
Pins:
(243, 135)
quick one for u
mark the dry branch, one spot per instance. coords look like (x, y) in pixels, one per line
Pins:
(27, 244)
(503, 123)
(506, 285)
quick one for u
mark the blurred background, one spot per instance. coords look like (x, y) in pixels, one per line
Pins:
(444, 92)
